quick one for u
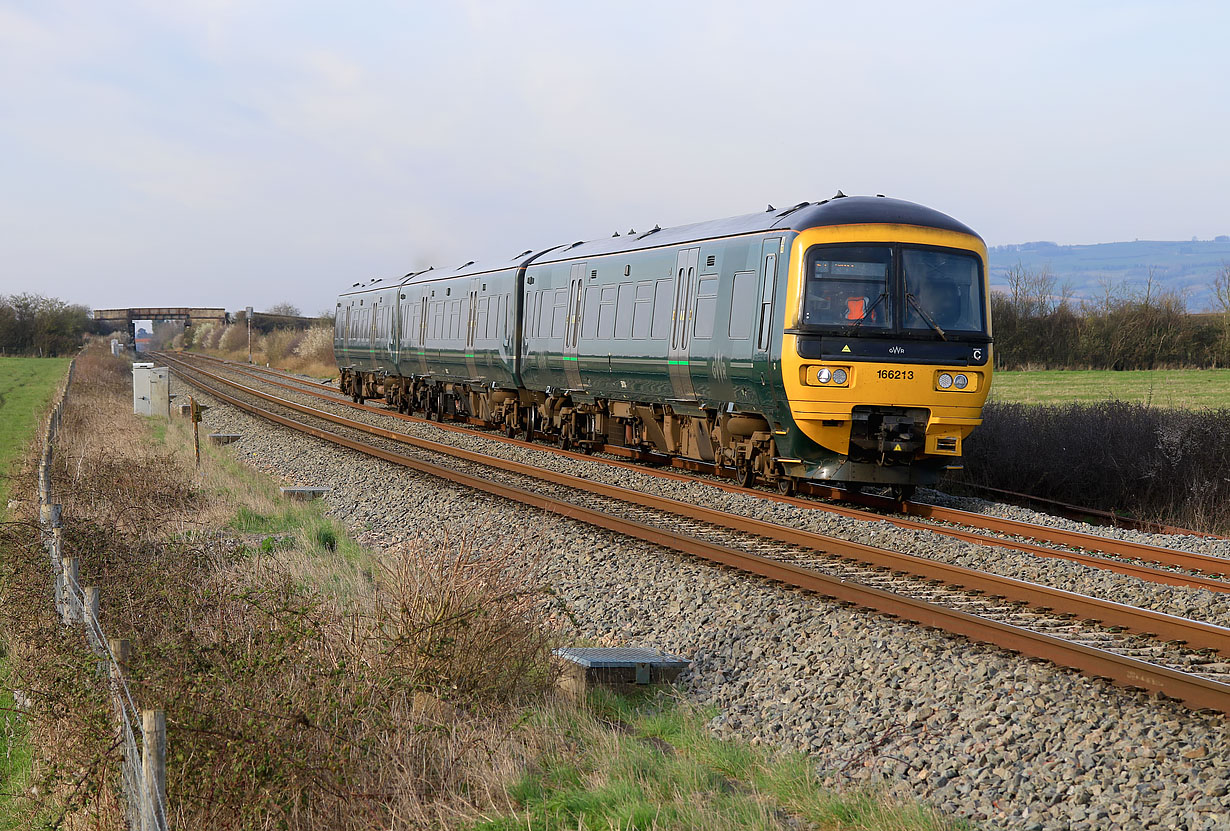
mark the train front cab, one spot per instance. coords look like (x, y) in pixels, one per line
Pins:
(886, 355)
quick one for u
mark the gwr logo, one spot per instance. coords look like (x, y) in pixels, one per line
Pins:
(896, 350)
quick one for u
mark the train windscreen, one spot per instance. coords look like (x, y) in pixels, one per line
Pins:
(849, 285)
(943, 291)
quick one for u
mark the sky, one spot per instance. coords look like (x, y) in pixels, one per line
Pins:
(253, 152)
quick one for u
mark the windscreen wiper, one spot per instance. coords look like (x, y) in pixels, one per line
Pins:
(850, 329)
(926, 316)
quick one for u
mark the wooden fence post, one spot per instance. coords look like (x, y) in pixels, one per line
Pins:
(71, 611)
(153, 765)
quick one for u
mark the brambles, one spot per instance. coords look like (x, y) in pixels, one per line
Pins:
(303, 685)
(1153, 463)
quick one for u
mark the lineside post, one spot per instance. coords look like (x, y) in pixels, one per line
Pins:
(153, 766)
(195, 415)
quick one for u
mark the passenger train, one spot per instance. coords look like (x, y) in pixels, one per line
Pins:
(847, 340)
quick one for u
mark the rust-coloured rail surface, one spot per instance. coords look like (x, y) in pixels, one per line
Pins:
(817, 489)
(1195, 690)
(1208, 567)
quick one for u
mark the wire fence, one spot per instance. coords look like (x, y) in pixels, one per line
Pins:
(141, 734)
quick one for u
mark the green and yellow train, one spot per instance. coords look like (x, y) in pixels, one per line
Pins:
(847, 340)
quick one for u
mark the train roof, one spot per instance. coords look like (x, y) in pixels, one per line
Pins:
(838, 210)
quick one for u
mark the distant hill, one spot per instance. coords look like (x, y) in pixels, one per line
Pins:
(1186, 266)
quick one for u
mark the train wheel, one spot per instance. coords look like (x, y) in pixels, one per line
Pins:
(745, 474)
(785, 485)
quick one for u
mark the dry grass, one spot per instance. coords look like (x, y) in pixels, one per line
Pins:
(306, 351)
(304, 684)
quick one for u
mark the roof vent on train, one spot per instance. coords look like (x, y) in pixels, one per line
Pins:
(770, 209)
(463, 265)
(839, 195)
(523, 253)
(789, 211)
(578, 242)
(655, 230)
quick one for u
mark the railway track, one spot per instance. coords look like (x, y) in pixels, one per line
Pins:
(1170, 566)
(1184, 659)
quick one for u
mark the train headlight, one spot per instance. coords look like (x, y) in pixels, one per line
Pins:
(945, 380)
(824, 375)
(839, 376)
(960, 382)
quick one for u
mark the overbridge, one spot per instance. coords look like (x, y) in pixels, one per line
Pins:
(188, 314)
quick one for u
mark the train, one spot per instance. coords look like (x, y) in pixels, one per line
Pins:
(846, 341)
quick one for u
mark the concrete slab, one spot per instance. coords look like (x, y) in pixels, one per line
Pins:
(586, 667)
(304, 494)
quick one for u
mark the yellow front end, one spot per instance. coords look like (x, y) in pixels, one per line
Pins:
(823, 409)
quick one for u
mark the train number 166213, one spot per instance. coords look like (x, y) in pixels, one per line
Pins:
(897, 374)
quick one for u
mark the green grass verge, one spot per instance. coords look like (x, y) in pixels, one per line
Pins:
(26, 387)
(649, 763)
(15, 754)
(1185, 388)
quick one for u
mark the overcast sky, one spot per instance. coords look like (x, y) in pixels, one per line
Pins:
(236, 152)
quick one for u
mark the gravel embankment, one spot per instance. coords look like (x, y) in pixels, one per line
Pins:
(1004, 741)
(1199, 604)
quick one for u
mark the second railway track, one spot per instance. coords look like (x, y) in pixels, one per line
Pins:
(1145, 561)
(1035, 620)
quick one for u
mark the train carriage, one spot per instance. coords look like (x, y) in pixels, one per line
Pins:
(844, 340)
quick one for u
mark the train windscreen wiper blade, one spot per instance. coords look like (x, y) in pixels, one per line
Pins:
(925, 316)
(850, 329)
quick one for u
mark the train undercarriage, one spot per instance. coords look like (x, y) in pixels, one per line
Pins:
(740, 442)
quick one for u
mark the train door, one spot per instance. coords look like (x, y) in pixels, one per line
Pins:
(388, 311)
(572, 331)
(422, 333)
(768, 292)
(346, 338)
(472, 326)
(681, 324)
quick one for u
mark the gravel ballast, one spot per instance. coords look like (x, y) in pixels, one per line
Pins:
(979, 733)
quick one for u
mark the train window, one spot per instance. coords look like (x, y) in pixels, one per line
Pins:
(848, 285)
(589, 324)
(606, 313)
(663, 308)
(623, 311)
(642, 315)
(559, 315)
(482, 319)
(943, 290)
(742, 306)
(706, 307)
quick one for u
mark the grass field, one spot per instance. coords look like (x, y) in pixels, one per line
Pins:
(1187, 388)
(26, 387)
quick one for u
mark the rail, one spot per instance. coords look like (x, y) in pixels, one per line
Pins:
(1195, 690)
(1206, 567)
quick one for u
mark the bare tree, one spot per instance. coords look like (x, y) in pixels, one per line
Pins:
(284, 309)
(1221, 289)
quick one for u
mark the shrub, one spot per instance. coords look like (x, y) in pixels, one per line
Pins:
(1155, 463)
